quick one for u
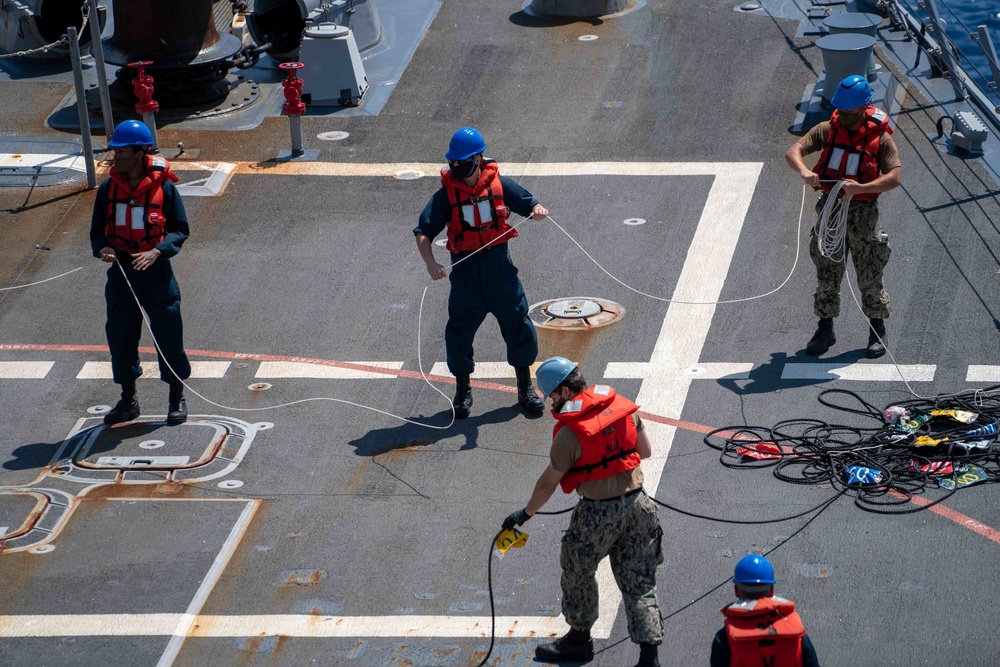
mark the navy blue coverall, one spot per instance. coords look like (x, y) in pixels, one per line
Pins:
(487, 283)
(156, 288)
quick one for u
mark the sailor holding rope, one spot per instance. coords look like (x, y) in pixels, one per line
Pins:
(857, 149)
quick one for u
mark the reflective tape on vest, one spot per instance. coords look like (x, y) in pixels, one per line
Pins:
(484, 217)
(131, 216)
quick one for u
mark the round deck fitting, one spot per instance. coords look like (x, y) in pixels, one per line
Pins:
(575, 313)
(242, 93)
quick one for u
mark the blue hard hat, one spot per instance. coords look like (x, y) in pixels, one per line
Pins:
(753, 569)
(852, 92)
(464, 144)
(552, 372)
(131, 133)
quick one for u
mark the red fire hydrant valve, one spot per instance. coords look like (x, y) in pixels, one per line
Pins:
(294, 106)
(142, 84)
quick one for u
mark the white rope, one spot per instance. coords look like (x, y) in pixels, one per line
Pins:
(795, 262)
(39, 282)
(831, 227)
(156, 343)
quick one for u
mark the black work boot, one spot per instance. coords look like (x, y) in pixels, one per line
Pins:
(126, 409)
(876, 347)
(177, 411)
(648, 655)
(574, 646)
(822, 339)
(463, 397)
(527, 397)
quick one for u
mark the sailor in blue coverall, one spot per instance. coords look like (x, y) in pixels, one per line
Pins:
(473, 205)
(139, 222)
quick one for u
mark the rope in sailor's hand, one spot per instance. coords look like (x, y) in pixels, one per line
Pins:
(831, 227)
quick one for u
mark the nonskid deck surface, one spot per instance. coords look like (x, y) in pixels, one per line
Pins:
(324, 533)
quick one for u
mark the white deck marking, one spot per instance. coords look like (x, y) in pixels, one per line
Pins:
(433, 169)
(101, 370)
(292, 369)
(48, 160)
(983, 374)
(186, 621)
(678, 346)
(859, 372)
(485, 370)
(704, 371)
(683, 334)
(25, 370)
(212, 185)
(290, 625)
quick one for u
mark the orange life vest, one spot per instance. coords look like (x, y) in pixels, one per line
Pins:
(135, 220)
(478, 215)
(602, 420)
(853, 154)
(766, 631)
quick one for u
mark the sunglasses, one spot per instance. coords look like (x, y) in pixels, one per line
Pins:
(461, 163)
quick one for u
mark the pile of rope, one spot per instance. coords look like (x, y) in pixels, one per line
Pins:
(919, 447)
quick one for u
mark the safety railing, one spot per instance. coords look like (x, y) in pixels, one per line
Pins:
(974, 72)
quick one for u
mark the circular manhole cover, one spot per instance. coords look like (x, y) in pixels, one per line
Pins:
(573, 308)
(575, 313)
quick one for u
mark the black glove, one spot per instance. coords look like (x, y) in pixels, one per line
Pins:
(515, 519)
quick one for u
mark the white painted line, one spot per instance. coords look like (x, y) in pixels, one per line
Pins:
(291, 369)
(187, 620)
(703, 371)
(859, 372)
(685, 327)
(485, 370)
(25, 370)
(3, 530)
(432, 169)
(678, 347)
(47, 160)
(101, 370)
(212, 185)
(983, 374)
(288, 625)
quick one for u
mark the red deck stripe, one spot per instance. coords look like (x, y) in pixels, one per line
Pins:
(952, 515)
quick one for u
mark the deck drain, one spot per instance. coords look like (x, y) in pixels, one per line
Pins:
(43, 549)
(408, 174)
(575, 313)
(98, 409)
(587, 38)
(152, 444)
(634, 221)
(259, 386)
(230, 484)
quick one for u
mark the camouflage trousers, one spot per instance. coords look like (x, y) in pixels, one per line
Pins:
(870, 254)
(628, 531)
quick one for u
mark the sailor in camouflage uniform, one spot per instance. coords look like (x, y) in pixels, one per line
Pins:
(856, 148)
(597, 444)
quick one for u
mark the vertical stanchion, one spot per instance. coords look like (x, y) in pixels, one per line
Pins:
(102, 76)
(81, 107)
(938, 27)
(986, 42)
